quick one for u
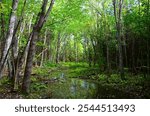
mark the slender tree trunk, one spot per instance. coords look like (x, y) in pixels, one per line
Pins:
(64, 49)
(89, 53)
(148, 58)
(14, 54)
(43, 51)
(23, 56)
(85, 57)
(16, 57)
(9, 35)
(108, 61)
(10, 68)
(94, 50)
(58, 48)
(121, 68)
(148, 41)
(2, 36)
(15, 50)
(125, 51)
(117, 15)
(19, 64)
(43, 15)
(76, 50)
(28, 69)
(15, 62)
(2, 21)
(49, 51)
(133, 56)
(106, 30)
(116, 58)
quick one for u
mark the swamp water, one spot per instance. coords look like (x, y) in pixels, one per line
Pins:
(75, 88)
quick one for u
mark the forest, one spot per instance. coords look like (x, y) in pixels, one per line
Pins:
(74, 49)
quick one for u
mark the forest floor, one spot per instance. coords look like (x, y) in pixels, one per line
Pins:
(78, 80)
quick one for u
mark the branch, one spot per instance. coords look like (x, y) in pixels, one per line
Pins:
(49, 9)
(115, 14)
(96, 9)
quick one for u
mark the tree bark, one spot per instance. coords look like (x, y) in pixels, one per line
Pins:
(58, 48)
(36, 30)
(117, 14)
(108, 59)
(9, 35)
(43, 51)
(1, 38)
(94, 50)
(28, 69)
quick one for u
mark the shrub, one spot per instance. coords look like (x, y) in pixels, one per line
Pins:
(102, 77)
(38, 86)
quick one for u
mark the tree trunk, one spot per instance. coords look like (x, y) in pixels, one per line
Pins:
(133, 56)
(2, 24)
(15, 50)
(17, 59)
(58, 48)
(43, 51)
(148, 41)
(2, 36)
(64, 49)
(85, 57)
(10, 68)
(36, 30)
(28, 69)
(14, 56)
(9, 35)
(108, 61)
(117, 14)
(94, 50)
(89, 53)
(125, 52)
(49, 51)
(76, 50)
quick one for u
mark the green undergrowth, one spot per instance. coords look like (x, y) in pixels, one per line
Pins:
(69, 69)
(134, 85)
(47, 82)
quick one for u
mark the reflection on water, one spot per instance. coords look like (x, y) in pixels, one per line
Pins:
(82, 89)
(73, 88)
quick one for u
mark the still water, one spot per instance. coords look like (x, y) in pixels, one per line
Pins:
(76, 88)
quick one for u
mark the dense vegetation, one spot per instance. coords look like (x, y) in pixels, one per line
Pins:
(75, 49)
